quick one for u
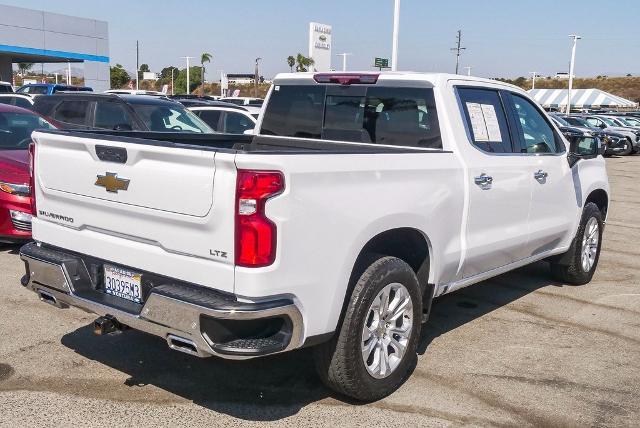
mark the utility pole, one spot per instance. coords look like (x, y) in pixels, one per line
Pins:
(187, 58)
(344, 60)
(396, 30)
(533, 74)
(458, 48)
(257, 76)
(137, 65)
(571, 68)
(468, 68)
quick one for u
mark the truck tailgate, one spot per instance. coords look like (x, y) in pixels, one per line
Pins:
(158, 210)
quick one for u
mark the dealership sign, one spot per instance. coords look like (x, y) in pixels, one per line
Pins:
(320, 46)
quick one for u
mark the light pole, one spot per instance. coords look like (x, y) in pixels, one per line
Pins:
(396, 29)
(571, 67)
(533, 74)
(344, 60)
(222, 83)
(468, 68)
(256, 77)
(56, 74)
(187, 58)
(172, 70)
(137, 66)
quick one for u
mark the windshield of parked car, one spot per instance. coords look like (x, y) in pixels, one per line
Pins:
(560, 120)
(578, 121)
(609, 121)
(16, 129)
(163, 118)
(628, 121)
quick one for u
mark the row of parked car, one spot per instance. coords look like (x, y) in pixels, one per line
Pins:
(49, 106)
(619, 132)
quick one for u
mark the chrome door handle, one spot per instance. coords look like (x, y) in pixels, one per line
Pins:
(540, 175)
(484, 181)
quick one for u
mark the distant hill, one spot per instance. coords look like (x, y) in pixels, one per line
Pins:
(625, 87)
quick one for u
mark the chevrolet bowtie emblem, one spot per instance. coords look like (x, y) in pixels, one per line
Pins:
(112, 183)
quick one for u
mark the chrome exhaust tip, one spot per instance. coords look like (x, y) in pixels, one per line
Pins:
(181, 344)
(49, 298)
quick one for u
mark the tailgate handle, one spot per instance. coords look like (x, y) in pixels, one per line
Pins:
(112, 154)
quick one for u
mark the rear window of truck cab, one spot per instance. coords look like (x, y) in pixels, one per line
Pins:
(363, 114)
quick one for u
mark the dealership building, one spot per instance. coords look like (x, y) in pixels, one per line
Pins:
(36, 36)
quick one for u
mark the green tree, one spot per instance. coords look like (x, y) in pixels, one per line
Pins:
(165, 77)
(143, 69)
(119, 77)
(205, 57)
(180, 80)
(303, 63)
(24, 67)
(291, 61)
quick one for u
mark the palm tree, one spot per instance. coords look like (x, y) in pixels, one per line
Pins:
(291, 61)
(206, 57)
(303, 63)
(24, 67)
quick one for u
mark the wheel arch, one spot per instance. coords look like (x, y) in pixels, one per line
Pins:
(601, 199)
(406, 243)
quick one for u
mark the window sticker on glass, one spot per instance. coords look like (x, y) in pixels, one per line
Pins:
(491, 120)
(477, 122)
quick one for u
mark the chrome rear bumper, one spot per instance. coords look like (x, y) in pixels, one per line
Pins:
(181, 314)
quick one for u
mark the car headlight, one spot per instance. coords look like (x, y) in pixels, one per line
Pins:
(15, 189)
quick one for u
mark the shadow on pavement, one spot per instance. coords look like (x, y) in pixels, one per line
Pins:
(263, 389)
(10, 248)
(460, 307)
(276, 387)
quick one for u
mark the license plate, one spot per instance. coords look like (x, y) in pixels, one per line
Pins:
(122, 283)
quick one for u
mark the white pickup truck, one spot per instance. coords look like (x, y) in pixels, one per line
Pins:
(360, 199)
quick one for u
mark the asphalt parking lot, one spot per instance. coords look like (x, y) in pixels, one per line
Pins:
(519, 349)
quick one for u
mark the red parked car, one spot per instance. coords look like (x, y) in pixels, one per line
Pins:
(16, 125)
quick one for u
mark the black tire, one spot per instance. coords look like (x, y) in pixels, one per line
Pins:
(629, 148)
(339, 362)
(568, 267)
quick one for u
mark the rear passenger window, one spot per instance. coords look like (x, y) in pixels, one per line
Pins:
(402, 117)
(486, 119)
(72, 112)
(210, 117)
(21, 102)
(112, 115)
(535, 132)
(236, 123)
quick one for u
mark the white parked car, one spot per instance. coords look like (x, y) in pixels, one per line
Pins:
(244, 101)
(361, 199)
(6, 87)
(133, 92)
(20, 100)
(227, 120)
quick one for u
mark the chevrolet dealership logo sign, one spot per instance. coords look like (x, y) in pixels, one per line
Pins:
(112, 183)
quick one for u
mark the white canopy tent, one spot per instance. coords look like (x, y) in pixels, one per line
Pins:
(580, 98)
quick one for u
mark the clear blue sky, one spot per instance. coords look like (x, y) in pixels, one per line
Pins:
(503, 38)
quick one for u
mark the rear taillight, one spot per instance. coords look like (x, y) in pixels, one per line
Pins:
(32, 177)
(347, 78)
(255, 233)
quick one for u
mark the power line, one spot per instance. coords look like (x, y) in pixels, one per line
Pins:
(458, 48)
